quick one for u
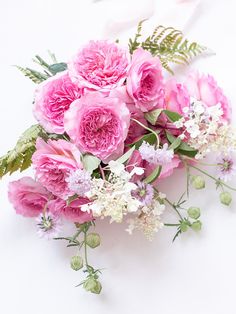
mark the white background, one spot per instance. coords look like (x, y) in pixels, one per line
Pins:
(196, 274)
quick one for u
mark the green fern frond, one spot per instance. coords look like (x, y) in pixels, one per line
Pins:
(35, 76)
(168, 44)
(19, 158)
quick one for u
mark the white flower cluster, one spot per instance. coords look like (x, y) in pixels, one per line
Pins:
(205, 129)
(148, 220)
(113, 197)
(156, 156)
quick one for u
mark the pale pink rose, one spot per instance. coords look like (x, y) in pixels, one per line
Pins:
(98, 125)
(72, 211)
(28, 196)
(53, 162)
(100, 65)
(205, 88)
(145, 81)
(176, 96)
(52, 98)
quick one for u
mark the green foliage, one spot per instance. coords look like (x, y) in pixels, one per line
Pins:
(48, 69)
(168, 44)
(181, 147)
(19, 158)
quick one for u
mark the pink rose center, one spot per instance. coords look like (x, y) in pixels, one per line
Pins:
(99, 129)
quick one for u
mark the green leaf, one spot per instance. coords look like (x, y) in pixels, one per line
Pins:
(175, 144)
(57, 67)
(149, 138)
(183, 148)
(126, 156)
(153, 176)
(173, 116)
(90, 162)
(71, 199)
(153, 115)
(35, 76)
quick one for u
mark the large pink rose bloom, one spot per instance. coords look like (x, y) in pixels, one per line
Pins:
(100, 65)
(176, 96)
(53, 162)
(28, 196)
(70, 212)
(205, 88)
(52, 98)
(145, 81)
(98, 125)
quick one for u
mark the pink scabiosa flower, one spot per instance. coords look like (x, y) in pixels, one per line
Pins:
(71, 212)
(28, 196)
(79, 182)
(159, 156)
(98, 125)
(145, 81)
(53, 162)
(176, 96)
(100, 65)
(52, 98)
(49, 226)
(144, 193)
(226, 167)
(205, 88)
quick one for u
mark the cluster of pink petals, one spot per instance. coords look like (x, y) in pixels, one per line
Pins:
(52, 99)
(53, 161)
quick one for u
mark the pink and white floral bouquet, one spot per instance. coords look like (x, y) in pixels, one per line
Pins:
(111, 126)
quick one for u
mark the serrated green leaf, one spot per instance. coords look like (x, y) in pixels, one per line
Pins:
(153, 115)
(153, 176)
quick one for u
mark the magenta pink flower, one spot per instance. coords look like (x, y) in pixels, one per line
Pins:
(28, 196)
(145, 81)
(53, 162)
(205, 88)
(98, 125)
(70, 212)
(52, 98)
(100, 65)
(176, 96)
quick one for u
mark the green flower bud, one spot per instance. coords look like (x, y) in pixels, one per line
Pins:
(93, 240)
(225, 198)
(92, 285)
(198, 182)
(183, 226)
(76, 262)
(194, 212)
(196, 225)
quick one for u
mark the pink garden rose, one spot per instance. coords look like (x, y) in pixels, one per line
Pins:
(205, 88)
(100, 65)
(176, 96)
(98, 125)
(70, 212)
(145, 81)
(53, 162)
(28, 196)
(52, 98)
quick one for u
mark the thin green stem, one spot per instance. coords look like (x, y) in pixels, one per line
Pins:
(85, 249)
(174, 207)
(213, 178)
(149, 129)
(171, 225)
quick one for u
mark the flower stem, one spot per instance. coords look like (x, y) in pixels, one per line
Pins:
(174, 207)
(149, 129)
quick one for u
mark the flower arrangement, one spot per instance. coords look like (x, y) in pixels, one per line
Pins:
(111, 126)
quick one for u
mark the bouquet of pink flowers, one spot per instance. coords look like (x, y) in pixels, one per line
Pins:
(110, 128)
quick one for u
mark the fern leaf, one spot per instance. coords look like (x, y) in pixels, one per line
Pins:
(35, 76)
(168, 44)
(19, 158)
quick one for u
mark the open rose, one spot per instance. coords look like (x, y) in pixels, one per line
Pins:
(52, 98)
(145, 81)
(72, 211)
(100, 65)
(98, 125)
(205, 88)
(53, 162)
(28, 196)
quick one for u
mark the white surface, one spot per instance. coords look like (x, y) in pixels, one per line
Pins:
(194, 275)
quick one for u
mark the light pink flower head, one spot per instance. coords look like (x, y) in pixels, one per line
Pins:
(70, 212)
(100, 65)
(205, 88)
(28, 196)
(53, 162)
(98, 125)
(145, 81)
(176, 96)
(52, 98)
